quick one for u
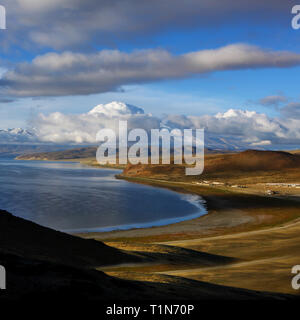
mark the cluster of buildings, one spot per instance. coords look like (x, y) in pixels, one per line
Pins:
(217, 183)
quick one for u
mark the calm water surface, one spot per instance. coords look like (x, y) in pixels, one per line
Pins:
(75, 198)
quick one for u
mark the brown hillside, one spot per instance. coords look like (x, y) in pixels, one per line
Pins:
(253, 160)
(254, 165)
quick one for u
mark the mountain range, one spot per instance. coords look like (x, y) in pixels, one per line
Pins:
(79, 130)
(17, 135)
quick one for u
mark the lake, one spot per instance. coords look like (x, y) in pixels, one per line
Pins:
(71, 197)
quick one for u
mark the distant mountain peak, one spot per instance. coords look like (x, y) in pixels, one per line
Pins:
(116, 108)
(16, 135)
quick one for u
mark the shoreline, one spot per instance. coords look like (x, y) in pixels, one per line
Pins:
(199, 203)
(221, 216)
(260, 234)
(194, 199)
(250, 241)
(227, 213)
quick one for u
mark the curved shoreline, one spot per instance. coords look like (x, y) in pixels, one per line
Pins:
(199, 203)
(195, 200)
(226, 212)
(189, 225)
(235, 225)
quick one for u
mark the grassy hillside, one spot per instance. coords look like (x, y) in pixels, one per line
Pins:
(45, 264)
(250, 166)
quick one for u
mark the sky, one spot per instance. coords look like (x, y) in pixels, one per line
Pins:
(193, 58)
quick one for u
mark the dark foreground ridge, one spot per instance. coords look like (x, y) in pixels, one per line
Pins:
(45, 264)
(24, 238)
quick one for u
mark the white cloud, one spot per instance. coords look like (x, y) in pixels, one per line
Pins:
(249, 126)
(69, 128)
(116, 109)
(261, 143)
(231, 129)
(62, 74)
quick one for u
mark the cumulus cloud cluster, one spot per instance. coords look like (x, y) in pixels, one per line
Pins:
(231, 129)
(67, 24)
(246, 127)
(82, 128)
(72, 30)
(62, 74)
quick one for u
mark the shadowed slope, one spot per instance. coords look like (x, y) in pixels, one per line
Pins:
(29, 279)
(25, 238)
(43, 264)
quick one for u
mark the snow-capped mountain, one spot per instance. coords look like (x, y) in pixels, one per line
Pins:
(215, 142)
(20, 136)
(232, 130)
(16, 135)
(116, 108)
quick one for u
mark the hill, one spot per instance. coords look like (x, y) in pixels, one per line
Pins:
(14, 150)
(76, 154)
(45, 264)
(253, 160)
(248, 166)
(24, 238)
(72, 154)
(295, 151)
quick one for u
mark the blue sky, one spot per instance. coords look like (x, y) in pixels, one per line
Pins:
(37, 29)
